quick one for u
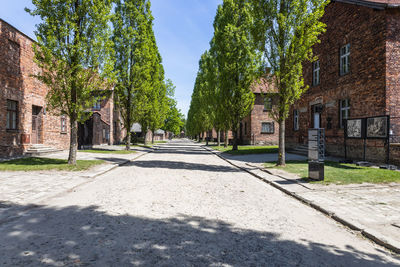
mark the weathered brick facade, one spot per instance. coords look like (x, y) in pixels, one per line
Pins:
(254, 121)
(16, 84)
(35, 124)
(372, 85)
(250, 130)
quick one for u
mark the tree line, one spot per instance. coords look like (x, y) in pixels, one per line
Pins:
(86, 48)
(251, 36)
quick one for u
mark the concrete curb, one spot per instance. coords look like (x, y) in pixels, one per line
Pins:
(371, 235)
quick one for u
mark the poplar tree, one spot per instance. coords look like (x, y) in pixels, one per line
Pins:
(286, 30)
(135, 57)
(239, 63)
(73, 51)
(173, 121)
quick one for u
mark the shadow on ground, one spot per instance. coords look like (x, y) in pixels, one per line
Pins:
(88, 236)
(180, 165)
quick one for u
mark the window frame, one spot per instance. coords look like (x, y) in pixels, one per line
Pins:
(270, 100)
(63, 121)
(9, 123)
(316, 73)
(97, 104)
(344, 54)
(268, 132)
(296, 126)
(345, 109)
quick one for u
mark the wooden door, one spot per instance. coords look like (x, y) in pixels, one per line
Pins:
(36, 122)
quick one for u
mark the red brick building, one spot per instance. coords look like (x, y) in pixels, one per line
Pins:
(24, 120)
(258, 128)
(357, 75)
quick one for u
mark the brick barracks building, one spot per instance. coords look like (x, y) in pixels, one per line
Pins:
(357, 76)
(258, 128)
(25, 123)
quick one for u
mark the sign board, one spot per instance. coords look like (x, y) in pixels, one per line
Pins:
(316, 145)
(355, 128)
(378, 127)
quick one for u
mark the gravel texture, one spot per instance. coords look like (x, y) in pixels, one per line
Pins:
(180, 206)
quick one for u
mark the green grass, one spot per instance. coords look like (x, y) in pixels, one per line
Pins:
(245, 150)
(40, 164)
(340, 173)
(105, 151)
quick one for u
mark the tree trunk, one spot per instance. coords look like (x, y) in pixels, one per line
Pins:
(128, 140)
(73, 144)
(207, 137)
(235, 140)
(145, 137)
(219, 137)
(226, 139)
(152, 137)
(281, 157)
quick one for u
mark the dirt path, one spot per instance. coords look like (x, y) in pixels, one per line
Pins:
(181, 206)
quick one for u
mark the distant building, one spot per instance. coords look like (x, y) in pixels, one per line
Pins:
(258, 128)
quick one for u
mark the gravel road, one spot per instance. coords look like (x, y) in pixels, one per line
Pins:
(180, 206)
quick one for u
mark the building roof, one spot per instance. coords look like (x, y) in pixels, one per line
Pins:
(11, 26)
(136, 128)
(264, 86)
(159, 131)
(377, 4)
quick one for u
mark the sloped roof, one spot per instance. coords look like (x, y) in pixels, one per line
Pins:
(263, 85)
(377, 4)
(136, 127)
(159, 131)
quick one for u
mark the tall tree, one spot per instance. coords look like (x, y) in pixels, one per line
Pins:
(135, 57)
(158, 99)
(286, 31)
(239, 63)
(74, 51)
(173, 121)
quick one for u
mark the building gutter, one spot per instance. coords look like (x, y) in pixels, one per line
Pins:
(374, 5)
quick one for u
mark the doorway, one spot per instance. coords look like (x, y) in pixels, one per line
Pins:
(316, 116)
(36, 124)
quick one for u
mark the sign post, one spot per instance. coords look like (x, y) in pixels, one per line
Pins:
(316, 154)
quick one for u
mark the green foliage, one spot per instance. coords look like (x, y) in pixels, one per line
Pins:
(140, 90)
(339, 173)
(239, 63)
(246, 150)
(74, 54)
(41, 164)
(222, 96)
(174, 119)
(286, 32)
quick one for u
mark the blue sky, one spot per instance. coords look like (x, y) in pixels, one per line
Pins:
(183, 30)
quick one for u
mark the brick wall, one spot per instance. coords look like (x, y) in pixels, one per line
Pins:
(365, 86)
(258, 116)
(393, 70)
(16, 84)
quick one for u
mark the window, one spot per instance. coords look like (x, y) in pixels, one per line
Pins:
(245, 128)
(97, 104)
(267, 103)
(267, 127)
(63, 124)
(344, 111)
(316, 80)
(345, 59)
(296, 120)
(12, 115)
